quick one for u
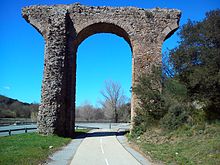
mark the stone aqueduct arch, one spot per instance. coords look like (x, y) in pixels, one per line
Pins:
(64, 27)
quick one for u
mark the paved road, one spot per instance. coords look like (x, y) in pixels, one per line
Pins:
(105, 125)
(125, 126)
(102, 148)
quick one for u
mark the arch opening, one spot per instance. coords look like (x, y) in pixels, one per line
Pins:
(108, 57)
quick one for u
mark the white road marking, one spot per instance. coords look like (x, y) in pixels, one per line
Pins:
(106, 161)
(101, 146)
(102, 149)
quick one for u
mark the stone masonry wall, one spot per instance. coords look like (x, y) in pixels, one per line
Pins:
(64, 27)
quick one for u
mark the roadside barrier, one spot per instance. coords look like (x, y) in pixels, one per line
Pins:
(85, 127)
(18, 129)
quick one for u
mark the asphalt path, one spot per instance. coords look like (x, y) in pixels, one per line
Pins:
(101, 147)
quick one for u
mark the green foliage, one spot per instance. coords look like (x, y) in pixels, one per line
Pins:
(179, 112)
(137, 131)
(148, 92)
(196, 61)
(30, 148)
(173, 89)
(168, 107)
(190, 95)
(180, 109)
(173, 92)
(177, 115)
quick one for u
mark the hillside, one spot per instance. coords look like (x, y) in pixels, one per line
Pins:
(12, 108)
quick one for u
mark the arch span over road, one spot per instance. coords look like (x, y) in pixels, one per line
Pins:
(64, 27)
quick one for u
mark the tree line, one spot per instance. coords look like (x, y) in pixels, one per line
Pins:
(115, 106)
(11, 108)
(88, 113)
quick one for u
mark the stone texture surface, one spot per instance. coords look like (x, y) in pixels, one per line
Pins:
(64, 27)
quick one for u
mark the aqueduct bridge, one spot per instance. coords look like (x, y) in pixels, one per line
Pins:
(64, 27)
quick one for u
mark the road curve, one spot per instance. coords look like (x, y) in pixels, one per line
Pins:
(102, 148)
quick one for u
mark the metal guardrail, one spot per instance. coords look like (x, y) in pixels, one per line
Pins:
(18, 129)
(85, 127)
(26, 129)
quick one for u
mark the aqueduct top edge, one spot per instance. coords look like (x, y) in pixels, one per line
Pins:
(131, 19)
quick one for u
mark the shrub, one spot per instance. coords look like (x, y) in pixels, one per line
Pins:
(177, 115)
(151, 105)
(143, 120)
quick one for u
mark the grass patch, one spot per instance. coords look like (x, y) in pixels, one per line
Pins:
(81, 132)
(30, 148)
(185, 146)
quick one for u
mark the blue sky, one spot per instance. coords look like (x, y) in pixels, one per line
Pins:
(22, 49)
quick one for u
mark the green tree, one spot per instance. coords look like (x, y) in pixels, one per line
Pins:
(196, 61)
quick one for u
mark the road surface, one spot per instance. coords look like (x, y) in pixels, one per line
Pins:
(80, 125)
(102, 148)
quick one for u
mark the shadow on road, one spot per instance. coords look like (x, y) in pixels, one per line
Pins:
(80, 135)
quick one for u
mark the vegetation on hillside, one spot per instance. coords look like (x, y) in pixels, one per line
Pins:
(190, 145)
(11, 108)
(170, 121)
